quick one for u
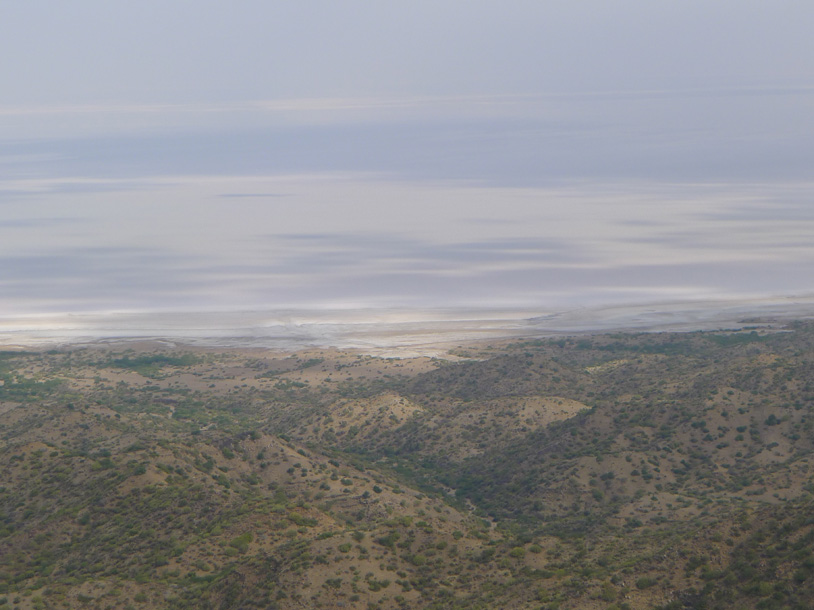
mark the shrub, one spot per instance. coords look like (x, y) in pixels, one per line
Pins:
(241, 543)
(608, 592)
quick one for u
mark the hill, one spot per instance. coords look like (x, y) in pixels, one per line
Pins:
(666, 470)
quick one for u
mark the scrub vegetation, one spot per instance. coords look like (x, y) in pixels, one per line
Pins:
(608, 472)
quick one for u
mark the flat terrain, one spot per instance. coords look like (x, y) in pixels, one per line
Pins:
(606, 471)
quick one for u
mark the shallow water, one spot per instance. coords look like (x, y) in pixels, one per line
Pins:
(396, 331)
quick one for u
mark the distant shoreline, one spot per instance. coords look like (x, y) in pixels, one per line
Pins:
(390, 331)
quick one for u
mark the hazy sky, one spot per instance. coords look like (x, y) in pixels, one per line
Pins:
(210, 155)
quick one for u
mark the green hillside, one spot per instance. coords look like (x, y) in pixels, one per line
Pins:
(607, 471)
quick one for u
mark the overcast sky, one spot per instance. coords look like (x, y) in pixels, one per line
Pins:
(204, 155)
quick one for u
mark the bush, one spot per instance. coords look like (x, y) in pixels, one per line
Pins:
(241, 543)
(608, 592)
(645, 582)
